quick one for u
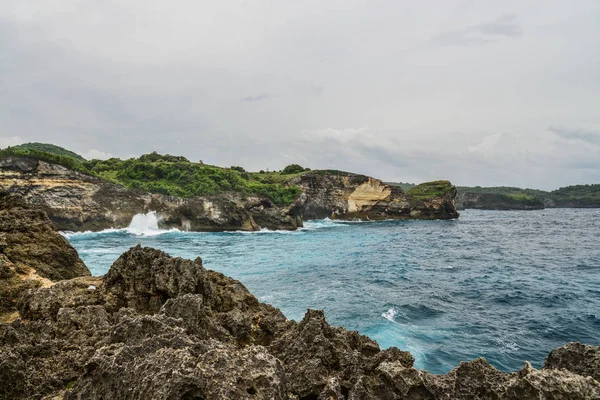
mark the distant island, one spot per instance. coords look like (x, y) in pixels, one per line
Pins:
(79, 194)
(514, 198)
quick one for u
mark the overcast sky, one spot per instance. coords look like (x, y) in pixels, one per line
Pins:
(478, 92)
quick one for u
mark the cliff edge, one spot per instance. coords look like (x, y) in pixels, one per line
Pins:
(344, 195)
(76, 201)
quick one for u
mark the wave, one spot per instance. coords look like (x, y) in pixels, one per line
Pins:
(390, 314)
(140, 225)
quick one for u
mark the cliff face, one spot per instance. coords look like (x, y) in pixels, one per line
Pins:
(342, 195)
(492, 201)
(32, 253)
(79, 202)
(157, 327)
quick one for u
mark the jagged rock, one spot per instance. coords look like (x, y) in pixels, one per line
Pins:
(145, 279)
(32, 252)
(30, 239)
(158, 327)
(576, 357)
(314, 353)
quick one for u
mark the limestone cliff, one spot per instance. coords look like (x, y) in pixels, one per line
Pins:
(343, 195)
(157, 327)
(77, 202)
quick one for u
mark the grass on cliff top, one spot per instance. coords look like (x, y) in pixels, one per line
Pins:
(521, 197)
(176, 176)
(273, 177)
(171, 175)
(48, 148)
(428, 190)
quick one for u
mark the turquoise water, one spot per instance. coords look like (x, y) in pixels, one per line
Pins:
(506, 285)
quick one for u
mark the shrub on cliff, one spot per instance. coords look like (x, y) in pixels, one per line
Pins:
(175, 176)
(154, 157)
(169, 175)
(429, 190)
(48, 148)
(65, 161)
(292, 169)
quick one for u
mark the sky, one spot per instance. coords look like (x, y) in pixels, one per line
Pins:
(478, 92)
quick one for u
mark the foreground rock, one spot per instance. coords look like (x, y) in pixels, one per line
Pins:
(32, 253)
(157, 327)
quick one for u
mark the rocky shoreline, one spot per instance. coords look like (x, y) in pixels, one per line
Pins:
(159, 327)
(75, 201)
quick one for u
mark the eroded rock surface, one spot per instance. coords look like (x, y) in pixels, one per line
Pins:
(343, 195)
(158, 327)
(75, 201)
(32, 252)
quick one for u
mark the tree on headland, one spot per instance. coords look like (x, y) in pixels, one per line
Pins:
(293, 169)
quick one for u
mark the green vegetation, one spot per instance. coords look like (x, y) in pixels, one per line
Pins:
(570, 196)
(294, 169)
(65, 161)
(521, 197)
(403, 185)
(429, 190)
(272, 177)
(176, 176)
(48, 148)
(506, 190)
(173, 175)
(580, 195)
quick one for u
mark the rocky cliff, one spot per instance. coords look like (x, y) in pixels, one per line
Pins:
(494, 201)
(157, 327)
(32, 253)
(75, 201)
(343, 195)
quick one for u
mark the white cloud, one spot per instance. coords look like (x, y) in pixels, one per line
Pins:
(96, 154)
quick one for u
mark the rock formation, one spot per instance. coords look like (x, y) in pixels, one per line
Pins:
(343, 195)
(158, 327)
(78, 202)
(32, 252)
(75, 201)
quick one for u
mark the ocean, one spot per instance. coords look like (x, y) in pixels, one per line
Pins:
(505, 285)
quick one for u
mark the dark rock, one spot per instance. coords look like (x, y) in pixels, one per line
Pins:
(158, 327)
(32, 253)
(144, 279)
(576, 357)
